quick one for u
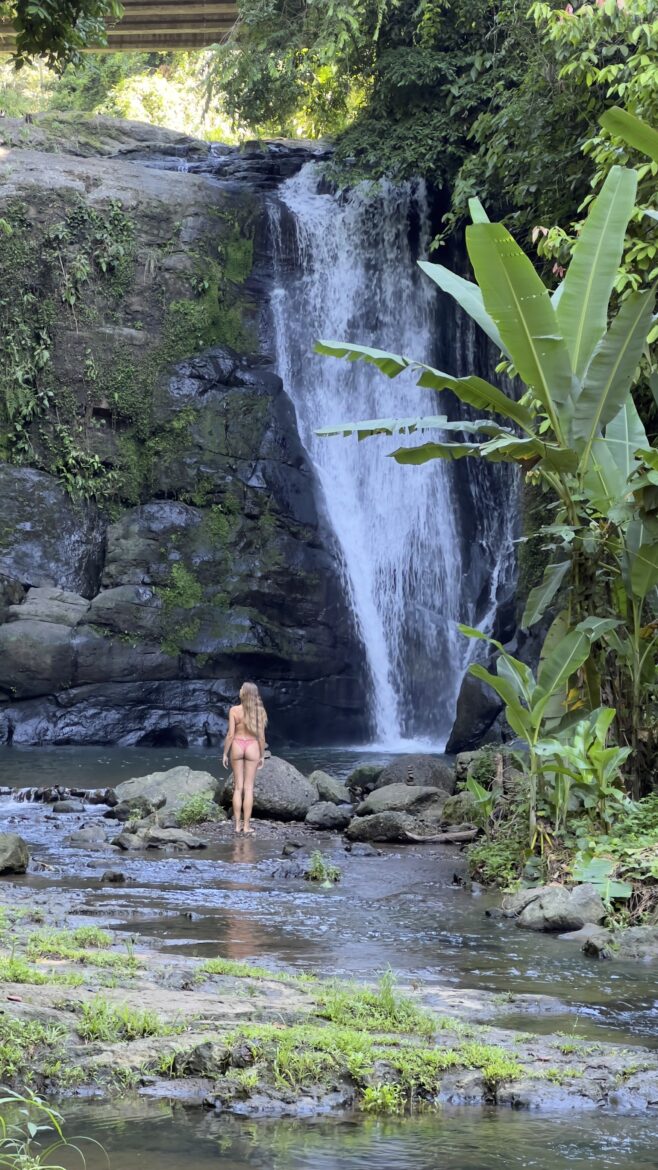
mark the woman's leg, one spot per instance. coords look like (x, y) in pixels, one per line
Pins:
(251, 758)
(237, 763)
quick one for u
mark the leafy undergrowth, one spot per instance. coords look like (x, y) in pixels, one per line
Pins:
(622, 863)
(103, 1021)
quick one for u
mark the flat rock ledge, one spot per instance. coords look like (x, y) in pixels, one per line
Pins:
(243, 1039)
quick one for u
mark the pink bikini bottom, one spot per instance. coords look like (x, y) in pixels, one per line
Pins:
(244, 743)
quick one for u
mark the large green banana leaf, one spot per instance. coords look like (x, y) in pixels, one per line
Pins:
(519, 303)
(582, 307)
(542, 595)
(516, 714)
(414, 456)
(390, 364)
(474, 391)
(603, 481)
(479, 393)
(467, 295)
(640, 567)
(624, 434)
(608, 380)
(408, 426)
(632, 130)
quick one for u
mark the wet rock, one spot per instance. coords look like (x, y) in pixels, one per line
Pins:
(477, 709)
(637, 942)
(130, 841)
(68, 806)
(462, 808)
(407, 798)
(464, 763)
(364, 778)
(420, 770)
(329, 788)
(49, 604)
(113, 877)
(89, 837)
(291, 847)
(167, 789)
(383, 826)
(593, 940)
(157, 838)
(209, 1059)
(137, 807)
(326, 815)
(14, 853)
(555, 908)
(48, 539)
(280, 792)
(361, 849)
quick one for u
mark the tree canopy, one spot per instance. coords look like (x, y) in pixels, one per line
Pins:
(57, 30)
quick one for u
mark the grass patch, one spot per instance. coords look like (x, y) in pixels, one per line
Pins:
(103, 1021)
(239, 970)
(17, 970)
(382, 1098)
(21, 1043)
(495, 1064)
(81, 946)
(380, 1010)
(197, 810)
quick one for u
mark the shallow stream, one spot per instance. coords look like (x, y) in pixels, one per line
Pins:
(400, 909)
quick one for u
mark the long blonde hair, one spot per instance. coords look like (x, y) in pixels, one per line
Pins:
(255, 715)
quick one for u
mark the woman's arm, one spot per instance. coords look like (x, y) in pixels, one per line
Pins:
(230, 735)
(261, 744)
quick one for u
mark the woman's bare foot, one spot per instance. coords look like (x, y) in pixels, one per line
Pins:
(237, 828)
(248, 832)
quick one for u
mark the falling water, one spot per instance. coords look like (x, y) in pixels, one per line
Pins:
(345, 269)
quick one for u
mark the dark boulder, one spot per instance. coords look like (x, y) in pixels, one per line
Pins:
(421, 770)
(477, 709)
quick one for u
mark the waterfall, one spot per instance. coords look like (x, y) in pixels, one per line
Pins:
(345, 269)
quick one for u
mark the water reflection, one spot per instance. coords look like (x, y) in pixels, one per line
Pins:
(158, 1136)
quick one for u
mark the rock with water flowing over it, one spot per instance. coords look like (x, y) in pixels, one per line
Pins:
(329, 788)
(168, 790)
(422, 770)
(280, 791)
(406, 798)
(555, 908)
(327, 815)
(383, 826)
(14, 853)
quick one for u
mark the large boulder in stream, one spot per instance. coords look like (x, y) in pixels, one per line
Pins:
(170, 790)
(555, 908)
(406, 798)
(421, 770)
(14, 853)
(280, 791)
(329, 788)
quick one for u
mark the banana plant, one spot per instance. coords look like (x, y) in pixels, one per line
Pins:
(585, 770)
(529, 701)
(575, 427)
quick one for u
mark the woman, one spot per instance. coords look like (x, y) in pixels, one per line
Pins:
(245, 741)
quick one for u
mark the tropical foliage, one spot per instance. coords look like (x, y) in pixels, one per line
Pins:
(57, 30)
(575, 430)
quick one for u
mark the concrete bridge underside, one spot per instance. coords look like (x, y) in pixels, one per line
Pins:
(160, 26)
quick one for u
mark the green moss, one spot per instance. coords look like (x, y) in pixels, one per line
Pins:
(183, 592)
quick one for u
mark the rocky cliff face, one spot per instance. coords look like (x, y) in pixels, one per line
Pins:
(159, 534)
